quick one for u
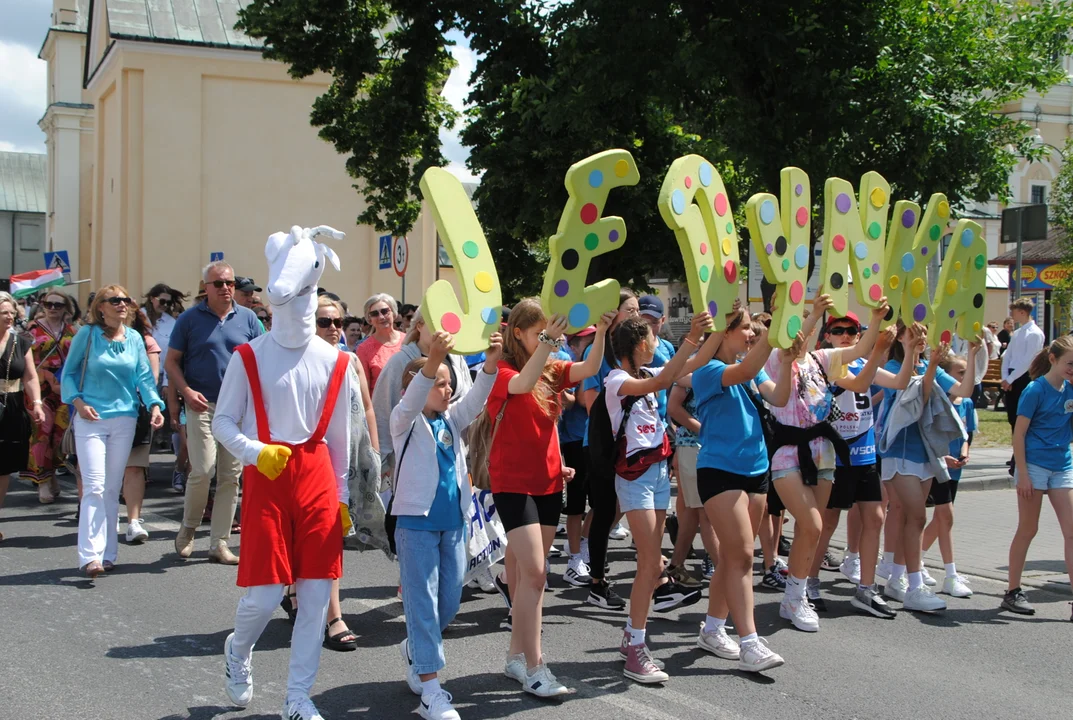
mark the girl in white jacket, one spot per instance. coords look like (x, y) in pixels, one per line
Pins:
(431, 501)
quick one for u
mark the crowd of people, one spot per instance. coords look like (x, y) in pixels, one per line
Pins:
(571, 434)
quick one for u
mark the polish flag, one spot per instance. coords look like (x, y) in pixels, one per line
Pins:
(28, 283)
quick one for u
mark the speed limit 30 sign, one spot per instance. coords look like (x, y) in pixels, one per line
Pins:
(400, 256)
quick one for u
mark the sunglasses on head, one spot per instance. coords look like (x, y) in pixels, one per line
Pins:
(843, 331)
(382, 312)
(53, 305)
(218, 284)
(325, 323)
(117, 300)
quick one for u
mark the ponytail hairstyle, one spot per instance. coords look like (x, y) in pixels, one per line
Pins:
(525, 315)
(610, 355)
(1042, 362)
(628, 336)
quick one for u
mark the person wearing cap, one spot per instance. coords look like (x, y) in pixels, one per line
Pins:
(245, 288)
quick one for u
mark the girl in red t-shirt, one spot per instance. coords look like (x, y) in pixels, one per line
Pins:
(526, 471)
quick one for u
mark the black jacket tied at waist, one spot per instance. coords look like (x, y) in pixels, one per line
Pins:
(801, 437)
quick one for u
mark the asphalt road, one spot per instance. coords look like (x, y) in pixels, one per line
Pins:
(146, 642)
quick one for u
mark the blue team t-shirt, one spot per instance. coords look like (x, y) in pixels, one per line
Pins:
(731, 436)
(1049, 432)
(446, 511)
(967, 412)
(908, 445)
(852, 418)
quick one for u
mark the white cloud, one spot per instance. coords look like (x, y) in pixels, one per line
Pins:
(12, 147)
(23, 78)
(455, 91)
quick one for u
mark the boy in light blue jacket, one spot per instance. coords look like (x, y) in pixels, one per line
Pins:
(431, 500)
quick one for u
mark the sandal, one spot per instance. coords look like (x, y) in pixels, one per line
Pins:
(336, 642)
(289, 606)
(92, 569)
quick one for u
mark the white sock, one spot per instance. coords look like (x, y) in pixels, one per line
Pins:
(951, 571)
(864, 587)
(637, 637)
(853, 556)
(916, 579)
(629, 624)
(795, 588)
(430, 686)
(711, 624)
(897, 571)
(584, 545)
(750, 638)
(888, 558)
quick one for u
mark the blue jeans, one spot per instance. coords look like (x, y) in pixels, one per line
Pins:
(651, 491)
(432, 564)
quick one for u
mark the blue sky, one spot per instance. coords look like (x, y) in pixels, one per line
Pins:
(23, 80)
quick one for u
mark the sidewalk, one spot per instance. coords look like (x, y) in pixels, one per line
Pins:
(987, 470)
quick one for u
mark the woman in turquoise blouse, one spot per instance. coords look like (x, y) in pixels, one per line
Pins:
(107, 380)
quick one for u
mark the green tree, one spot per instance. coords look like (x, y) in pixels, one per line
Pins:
(909, 88)
(1061, 211)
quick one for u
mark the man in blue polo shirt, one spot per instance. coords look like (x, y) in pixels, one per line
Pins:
(201, 345)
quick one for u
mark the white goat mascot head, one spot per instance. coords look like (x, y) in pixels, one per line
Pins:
(295, 264)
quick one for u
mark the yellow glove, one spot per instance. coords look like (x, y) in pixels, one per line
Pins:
(272, 460)
(344, 513)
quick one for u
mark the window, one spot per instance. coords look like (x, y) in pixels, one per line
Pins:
(1039, 194)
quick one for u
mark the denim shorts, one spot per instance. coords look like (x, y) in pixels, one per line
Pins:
(651, 491)
(1044, 479)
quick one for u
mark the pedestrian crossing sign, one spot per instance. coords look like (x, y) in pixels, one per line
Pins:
(385, 252)
(59, 259)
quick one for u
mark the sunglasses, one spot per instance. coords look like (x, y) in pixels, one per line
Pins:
(843, 331)
(383, 312)
(117, 300)
(164, 300)
(325, 323)
(218, 284)
(53, 305)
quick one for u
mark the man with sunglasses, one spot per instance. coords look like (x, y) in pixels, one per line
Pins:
(201, 345)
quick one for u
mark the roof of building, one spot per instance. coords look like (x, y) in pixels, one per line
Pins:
(1035, 252)
(23, 182)
(191, 22)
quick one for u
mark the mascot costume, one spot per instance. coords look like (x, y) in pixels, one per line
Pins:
(284, 411)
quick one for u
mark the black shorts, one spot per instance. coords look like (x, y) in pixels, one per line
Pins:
(576, 456)
(711, 482)
(516, 509)
(854, 484)
(774, 502)
(942, 493)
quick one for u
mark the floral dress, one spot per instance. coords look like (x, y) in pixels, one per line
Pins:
(50, 352)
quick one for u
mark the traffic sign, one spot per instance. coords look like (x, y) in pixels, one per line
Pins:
(400, 256)
(216, 257)
(385, 252)
(59, 259)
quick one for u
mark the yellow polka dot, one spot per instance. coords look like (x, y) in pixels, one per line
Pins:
(917, 288)
(878, 197)
(976, 327)
(894, 282)
(726, 246)
(957, 265)
(951, 287)
(483, 281)
(944, 209)
(621, 168)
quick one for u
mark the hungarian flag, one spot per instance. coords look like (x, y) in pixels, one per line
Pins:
(28, 283)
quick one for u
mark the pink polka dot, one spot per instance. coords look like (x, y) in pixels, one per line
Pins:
(450, 323)
(875, 292)
(802, 217)
(797, 291)
(720, 204)
(730, 271)
(589, 213)
(689, 182)
(838, 242)
(704, 248)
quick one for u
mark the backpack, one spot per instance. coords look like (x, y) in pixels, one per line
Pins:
(607, 451)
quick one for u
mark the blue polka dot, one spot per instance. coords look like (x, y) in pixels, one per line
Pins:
(579, 315)
(767, 212)
(860, 250)
(967, 237)
(596, 178)
(705, 174)
(908, 262)
(490, 316)
(678, 202)
(801, 256)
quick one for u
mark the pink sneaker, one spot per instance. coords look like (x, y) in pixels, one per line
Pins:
(640, 666)
(623, 650)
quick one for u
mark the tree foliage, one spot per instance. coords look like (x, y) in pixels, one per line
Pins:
(1061, 212)
(909, 88)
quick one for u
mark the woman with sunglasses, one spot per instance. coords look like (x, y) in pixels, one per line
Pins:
(51, 335)
(163, 304)
(109, 370)
(385, 341)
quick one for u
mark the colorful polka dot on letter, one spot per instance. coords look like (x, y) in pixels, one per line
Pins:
(798, 189)
(916, 289)
(483, 281)
(780, 245)
(801, 217)
(720, 204)
(589, 213)
(730, 271)
(944, 209)
(867, 272)
(951, 287)
(893, 282)
(793, 325)
(946, 337)
(860, 250)
(470, 249)
(727, 246)
(596, 179)
(979, 262)
(562, 288)
(490, 316)
(786, 264)
(967, 237)
(919, 313)
(592, 241)
(908, 262)
(878, 197)
(801, 256)
(613, 236)
(703, 248)
(874, 230)
(836, 281)
(579, 315)
(797, 292)
(450, 323)
(713, 308)
(767, 212)
(935, 232)
(705, 174)
(622, 168)
(704, 273)
(875, 292)
(570, 259)
(678, 202)
(909, 218)
(842, 203)
(838, 242)
(688, 182)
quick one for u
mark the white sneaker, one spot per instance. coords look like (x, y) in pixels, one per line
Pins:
(718, 643)
(800, 613)
(136, 533)
(585, 551)
(543, 684)
(437, 706)
(957, 586)
(577, 572)
(239, 676)
(515, 668)
(300, 709)
(928, 579)
(851, 569)
(618, 532)
(896, 589)
(923, 599)
(883, 569)
(411, 675)
(483, 581)
(757, 657)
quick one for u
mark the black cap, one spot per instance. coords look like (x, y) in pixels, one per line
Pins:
(246, 284)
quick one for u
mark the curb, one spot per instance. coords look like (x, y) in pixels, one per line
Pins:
(998, 481)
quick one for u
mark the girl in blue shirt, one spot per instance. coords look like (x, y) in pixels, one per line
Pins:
(1043, 433)
(108, 378)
